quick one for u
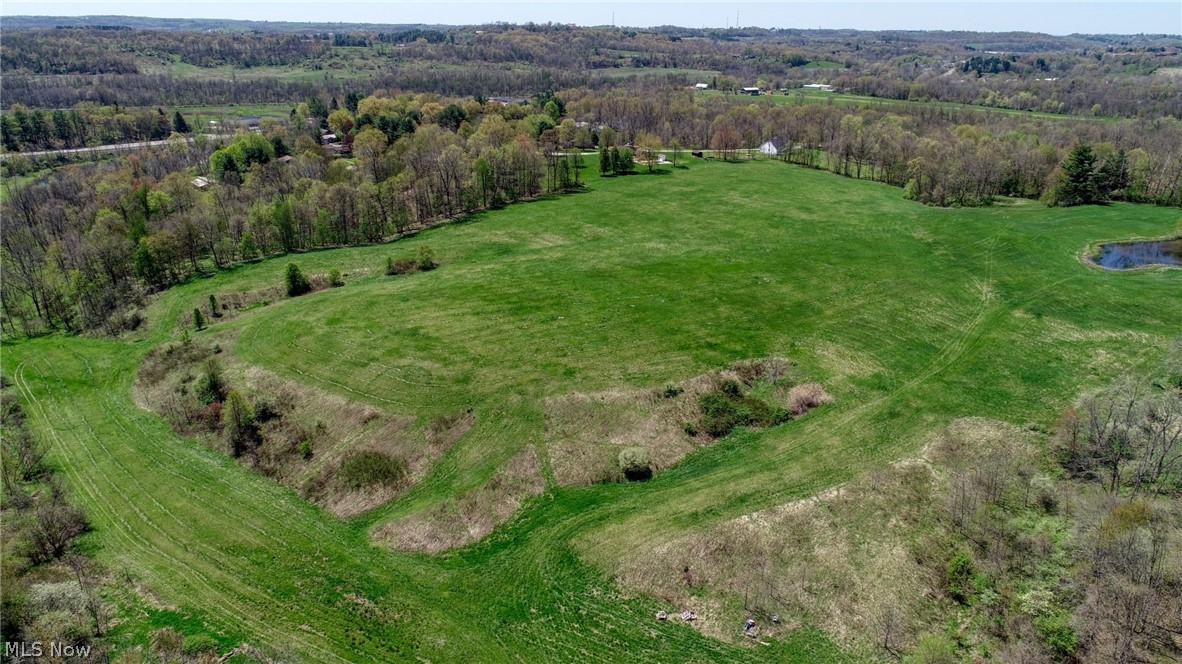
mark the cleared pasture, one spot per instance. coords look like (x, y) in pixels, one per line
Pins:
(912, 317)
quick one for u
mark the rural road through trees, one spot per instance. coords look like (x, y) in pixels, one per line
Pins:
(113, 147)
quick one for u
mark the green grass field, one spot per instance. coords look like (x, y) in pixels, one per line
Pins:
(911, 316)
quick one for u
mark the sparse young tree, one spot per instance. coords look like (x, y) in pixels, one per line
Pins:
(648, 147)
(198, 319)
(238, 423)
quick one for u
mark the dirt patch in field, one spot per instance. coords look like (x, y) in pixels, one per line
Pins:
(855, 560)
(586, 433)
(469, 517)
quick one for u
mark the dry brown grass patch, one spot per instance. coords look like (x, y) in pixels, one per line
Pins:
(467, 518)
(585, 433)
(850, 560)
(803, 398)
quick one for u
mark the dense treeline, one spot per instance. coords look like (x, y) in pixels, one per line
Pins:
(1079, 75)
(25, 130)
(83, 245)
(942, 156)
(98, 51)
(161, 90)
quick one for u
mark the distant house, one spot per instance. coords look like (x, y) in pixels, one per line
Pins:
(328, 138)
(702, 86)
(819, 86)
(754, 92)
(773, 147)
(509, 100)
(285, 159)
(200, 182)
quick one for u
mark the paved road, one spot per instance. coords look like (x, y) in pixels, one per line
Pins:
(114, 147)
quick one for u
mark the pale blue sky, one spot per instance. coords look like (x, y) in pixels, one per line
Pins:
(1053, 17)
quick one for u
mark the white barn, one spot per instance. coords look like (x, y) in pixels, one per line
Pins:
(773, 147)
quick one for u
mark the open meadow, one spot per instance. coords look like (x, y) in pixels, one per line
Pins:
(912, 317)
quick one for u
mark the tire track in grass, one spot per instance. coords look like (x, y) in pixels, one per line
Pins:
(149, 547)
(124, 530)
(132, 538)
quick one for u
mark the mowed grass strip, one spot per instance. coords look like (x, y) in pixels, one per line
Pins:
(911, 316)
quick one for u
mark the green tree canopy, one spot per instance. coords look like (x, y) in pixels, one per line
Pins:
(1079, 185)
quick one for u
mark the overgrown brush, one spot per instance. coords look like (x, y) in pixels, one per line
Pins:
(367, 468)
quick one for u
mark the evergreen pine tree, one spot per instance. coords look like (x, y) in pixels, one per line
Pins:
(1078, 186)
(179, 125)
(297, 283)
(198, 319)
(605, 161)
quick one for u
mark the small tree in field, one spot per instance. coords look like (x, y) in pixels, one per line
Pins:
(297, 283)
(426, 258)
(334, 278)
(238, 420)
(649, 148)
(198, 319)
(625, 162)
(213, 306)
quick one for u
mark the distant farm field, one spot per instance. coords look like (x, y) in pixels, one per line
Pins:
(912, 317)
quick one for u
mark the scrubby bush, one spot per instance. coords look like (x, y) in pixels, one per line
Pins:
(297, 283)
(400, 266)
(1056, 631)
(198, 319)
(238, 423)
(367, 468)
(671, 391)
(691, 429)
(425, 258)
(803, 398)
(211, 386)
(334, 278)
(305, 449)
(634, 463)
(721, 414)
(55, 525)
(958, 578)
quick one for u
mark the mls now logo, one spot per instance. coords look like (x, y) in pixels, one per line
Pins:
(32, 649)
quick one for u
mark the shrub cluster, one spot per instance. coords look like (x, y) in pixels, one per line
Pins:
(367, 468)
(423, 261)
(727, 408)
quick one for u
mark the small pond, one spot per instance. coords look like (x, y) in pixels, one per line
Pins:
(1124, 255)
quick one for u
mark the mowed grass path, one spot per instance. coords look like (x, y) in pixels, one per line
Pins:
(912, 316)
